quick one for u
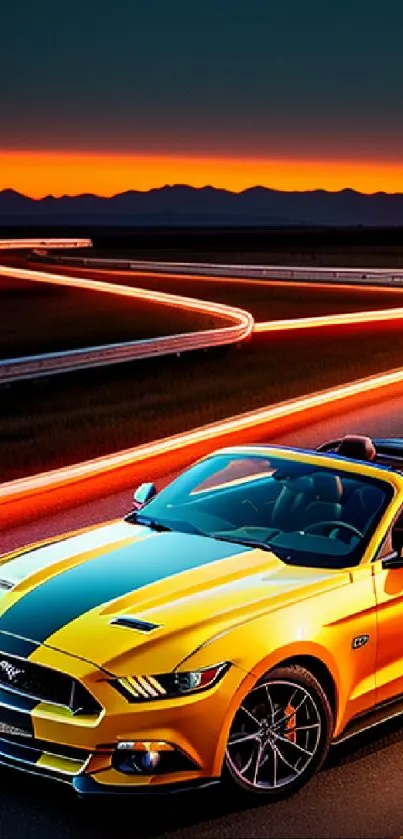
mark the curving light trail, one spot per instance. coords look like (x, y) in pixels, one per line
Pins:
(286, 324)
(52, 363)
(90, 479)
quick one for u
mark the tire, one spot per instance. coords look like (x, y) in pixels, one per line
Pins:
(280, 735)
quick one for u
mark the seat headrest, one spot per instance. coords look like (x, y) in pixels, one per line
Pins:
(357, 447)
(302, 484)
(327, 487)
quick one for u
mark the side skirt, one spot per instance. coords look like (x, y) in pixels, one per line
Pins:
(376, 716)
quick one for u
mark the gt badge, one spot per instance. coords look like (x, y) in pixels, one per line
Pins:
(359, 641)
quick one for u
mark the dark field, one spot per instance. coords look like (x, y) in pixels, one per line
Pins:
(353, 246)
(57, 421)
(40, 318)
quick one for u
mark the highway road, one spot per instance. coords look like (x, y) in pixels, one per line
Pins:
(384, 418)
(358, 793)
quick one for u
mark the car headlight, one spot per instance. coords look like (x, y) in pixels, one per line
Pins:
(170, 685)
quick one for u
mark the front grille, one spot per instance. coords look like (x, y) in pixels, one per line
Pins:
(37, 682)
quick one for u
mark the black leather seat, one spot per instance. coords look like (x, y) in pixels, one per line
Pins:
(326, 504)
(287, 512)
(361, 506)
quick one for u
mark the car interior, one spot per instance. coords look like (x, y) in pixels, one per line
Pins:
(318, 512)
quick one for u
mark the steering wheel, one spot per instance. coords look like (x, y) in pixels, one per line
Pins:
(318, 526)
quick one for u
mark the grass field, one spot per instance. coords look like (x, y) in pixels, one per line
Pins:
(40, 318)
(57, 421)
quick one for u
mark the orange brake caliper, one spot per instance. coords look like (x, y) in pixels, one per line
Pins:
(290, 732)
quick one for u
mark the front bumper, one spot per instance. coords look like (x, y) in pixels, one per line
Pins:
(27, 760)
(86, 786)
(81, 750)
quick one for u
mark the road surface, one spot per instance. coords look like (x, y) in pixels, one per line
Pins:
(358, 793)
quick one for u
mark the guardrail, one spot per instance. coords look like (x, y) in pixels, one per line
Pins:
(16, 369)
(28, 244)
(33, 497)
(275, 272)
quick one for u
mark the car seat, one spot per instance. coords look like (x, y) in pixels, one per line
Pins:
(326, 504)
(357, 447)
(287, 512)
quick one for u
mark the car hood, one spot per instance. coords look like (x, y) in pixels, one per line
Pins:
(83, 595)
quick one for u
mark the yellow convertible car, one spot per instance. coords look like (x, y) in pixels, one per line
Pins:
(229, 629)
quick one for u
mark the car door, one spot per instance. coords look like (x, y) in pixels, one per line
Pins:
(389, 597)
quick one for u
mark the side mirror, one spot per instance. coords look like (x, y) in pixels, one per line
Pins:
(143, 494)
(393, 562)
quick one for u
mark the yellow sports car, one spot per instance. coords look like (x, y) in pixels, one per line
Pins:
(229, 629)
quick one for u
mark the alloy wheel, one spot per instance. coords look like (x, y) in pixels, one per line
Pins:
(275, 736)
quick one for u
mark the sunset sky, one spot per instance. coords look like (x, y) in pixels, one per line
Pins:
(132, 94)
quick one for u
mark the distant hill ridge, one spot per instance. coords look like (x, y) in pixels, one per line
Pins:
(180, 204)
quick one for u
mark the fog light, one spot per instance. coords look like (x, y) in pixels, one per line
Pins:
(150, 760)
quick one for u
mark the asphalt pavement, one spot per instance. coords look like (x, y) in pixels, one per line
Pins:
(358, 793)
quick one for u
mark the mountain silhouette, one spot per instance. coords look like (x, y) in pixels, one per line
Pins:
(185, 205)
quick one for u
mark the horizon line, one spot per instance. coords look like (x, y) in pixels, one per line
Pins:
(179, 185)
(38, 174)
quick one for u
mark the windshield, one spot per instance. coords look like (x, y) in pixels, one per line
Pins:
(307, 514)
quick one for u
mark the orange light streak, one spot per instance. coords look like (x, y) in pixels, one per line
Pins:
(27, 244)
(207, 307)
(45, 481)
(376, 316)
(239, 316)
(58, 483)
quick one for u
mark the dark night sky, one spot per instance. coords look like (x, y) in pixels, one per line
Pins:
(317, 84)
(246, 77)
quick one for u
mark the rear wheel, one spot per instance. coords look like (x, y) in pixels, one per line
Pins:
(280, 734)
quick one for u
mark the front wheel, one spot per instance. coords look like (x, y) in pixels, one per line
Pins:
(280, 734)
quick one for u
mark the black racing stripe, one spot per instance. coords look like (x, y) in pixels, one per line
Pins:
(13, 645)
(61, 599)
(15, 711)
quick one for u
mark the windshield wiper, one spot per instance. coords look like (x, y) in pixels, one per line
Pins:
(249, 543)
(161, 527)
(281, 553)
(153, 524)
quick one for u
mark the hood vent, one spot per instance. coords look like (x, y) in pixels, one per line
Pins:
(6, 584)
(135, 623)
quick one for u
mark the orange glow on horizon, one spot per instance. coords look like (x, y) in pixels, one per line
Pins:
(40, 173)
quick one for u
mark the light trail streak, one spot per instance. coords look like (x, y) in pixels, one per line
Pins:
(239, 316)
(28, 244)
(86, 480)
(288, 324)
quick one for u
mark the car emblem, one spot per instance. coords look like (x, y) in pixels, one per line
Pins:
(359, 641)
(9, 670)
